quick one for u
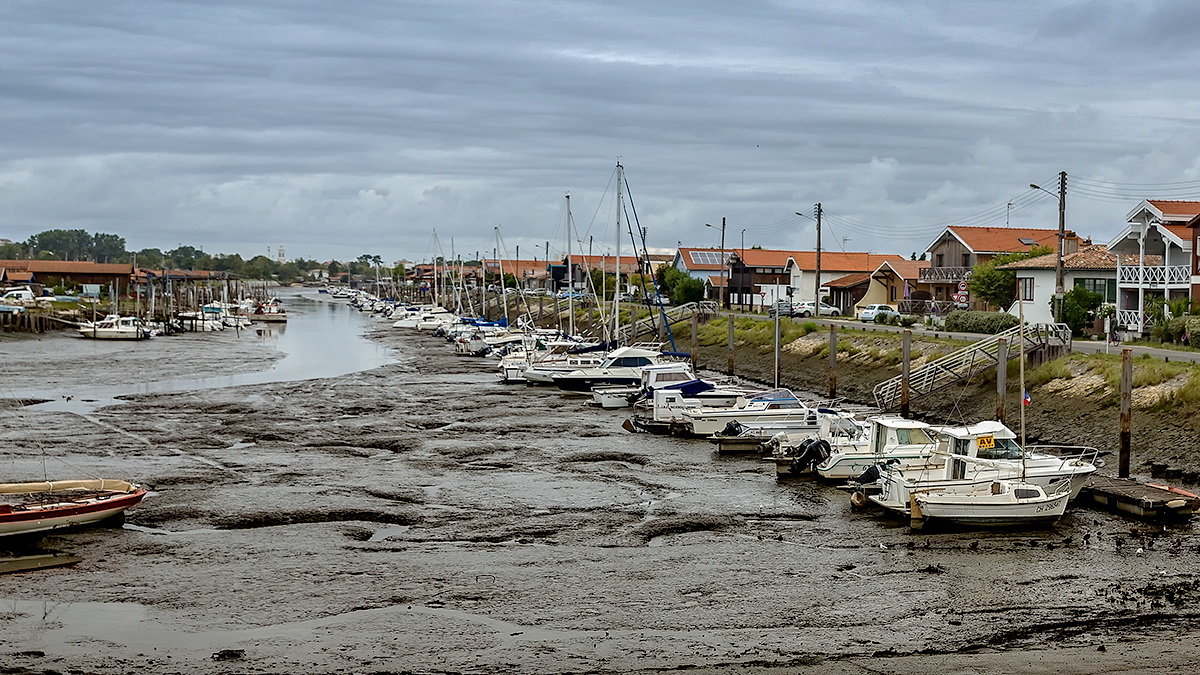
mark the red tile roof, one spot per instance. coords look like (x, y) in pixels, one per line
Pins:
(685, 254)
(716, 281)
(1004, 239)
(518, 268)
(906, 269)
(848, 281)
(1176, 209)
(1094, 257)
(67, 267)
(831, 261)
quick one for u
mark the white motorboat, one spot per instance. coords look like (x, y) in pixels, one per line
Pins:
(621, 366)
(967, 459)
(844, 448)
(652, 377)
(114, 327)
(778, 408)
(1000, 502)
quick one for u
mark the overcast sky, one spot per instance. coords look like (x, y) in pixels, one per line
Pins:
(340, 128)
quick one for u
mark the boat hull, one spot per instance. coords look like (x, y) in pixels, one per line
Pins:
(67, 513)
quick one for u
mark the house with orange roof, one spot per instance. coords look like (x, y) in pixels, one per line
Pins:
(898, 283)
(1157, 230)
(958, 249)
(1093, 267)
(760, 277)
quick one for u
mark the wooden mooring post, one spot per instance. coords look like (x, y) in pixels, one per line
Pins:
(905, 353)
(729, 365)
(777, 347)
(1001, 378)
(694, 344)
(1126, 412)
(833, 335)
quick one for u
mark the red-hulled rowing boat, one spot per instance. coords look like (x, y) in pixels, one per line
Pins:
(37, 507)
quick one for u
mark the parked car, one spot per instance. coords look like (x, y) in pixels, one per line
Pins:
(782, 308)
(658, 300)
(877, 311)
(565, 293)
(805, 309)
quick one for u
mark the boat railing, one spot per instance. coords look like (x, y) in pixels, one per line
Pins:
(1068, 453)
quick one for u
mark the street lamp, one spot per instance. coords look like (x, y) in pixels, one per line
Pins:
(742, 255)
(1059, 284)
(725, 266)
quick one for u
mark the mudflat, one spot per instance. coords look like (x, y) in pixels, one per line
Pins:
(420, 516)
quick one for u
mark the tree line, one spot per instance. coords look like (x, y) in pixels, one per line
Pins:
(102, 247)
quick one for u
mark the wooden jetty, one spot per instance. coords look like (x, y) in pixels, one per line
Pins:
(1142, 500)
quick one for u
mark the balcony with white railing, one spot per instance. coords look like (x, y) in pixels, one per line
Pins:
(1156, 277)
(943, 274)
(1130, 319)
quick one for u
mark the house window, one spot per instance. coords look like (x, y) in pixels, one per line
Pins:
(1025, 288)
(966, 259)
(1107, 288)
(939, 260)
(892, 293)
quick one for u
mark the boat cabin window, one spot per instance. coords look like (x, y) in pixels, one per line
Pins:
(913, 437)
(1026, 493)
(1003, 448)
(962, 446)
(672, 377)
(783, 405)
(629, 362)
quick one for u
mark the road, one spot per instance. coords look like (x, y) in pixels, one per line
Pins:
(1081, 346)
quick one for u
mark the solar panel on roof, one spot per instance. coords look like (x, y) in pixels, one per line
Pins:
(1027, 241)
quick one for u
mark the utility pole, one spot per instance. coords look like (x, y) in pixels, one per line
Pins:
(725, 276)
(1059, 289)
(817, 283)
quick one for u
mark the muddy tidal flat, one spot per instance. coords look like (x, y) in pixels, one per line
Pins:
(378, 504)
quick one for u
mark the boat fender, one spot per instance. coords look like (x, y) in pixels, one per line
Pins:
(858, 499)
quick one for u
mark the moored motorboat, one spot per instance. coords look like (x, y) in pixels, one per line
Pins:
(113, 327)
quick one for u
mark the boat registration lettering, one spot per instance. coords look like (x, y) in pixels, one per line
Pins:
(987, 442)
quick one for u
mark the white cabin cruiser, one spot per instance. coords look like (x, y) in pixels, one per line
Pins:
(968, 459)
(114, 327)
(621, 366)
(845, 448)
(652, 377)
(776, 408)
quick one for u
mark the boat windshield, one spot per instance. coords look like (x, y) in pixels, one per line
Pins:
(1005, 448)
(913, 437)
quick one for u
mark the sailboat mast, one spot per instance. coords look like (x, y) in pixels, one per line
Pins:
(500, 267)
(570, 276)
(617, 264)
(1021, 377)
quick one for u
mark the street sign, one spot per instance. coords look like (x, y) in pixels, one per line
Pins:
(962, 285)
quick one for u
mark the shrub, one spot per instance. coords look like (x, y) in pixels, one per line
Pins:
(908, 320)
(980, 322)
(1192, 331)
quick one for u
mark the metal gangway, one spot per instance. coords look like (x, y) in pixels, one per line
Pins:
(960, 366)
(673, 314)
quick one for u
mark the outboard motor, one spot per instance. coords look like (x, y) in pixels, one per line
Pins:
(869, 476)
(733, 428)
(809, 454)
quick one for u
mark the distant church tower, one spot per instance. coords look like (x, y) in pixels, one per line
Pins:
(279, 254)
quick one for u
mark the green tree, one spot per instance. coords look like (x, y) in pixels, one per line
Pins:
(184, 257)
(335, 268)
(107, 247)
(228, 263)
(999, 287)
(680, 287)
(1079, 308)
(12, 251)
(150, 258)
(64, 244)
(259, 267)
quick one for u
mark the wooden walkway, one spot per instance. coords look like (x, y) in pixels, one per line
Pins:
(1142, 500)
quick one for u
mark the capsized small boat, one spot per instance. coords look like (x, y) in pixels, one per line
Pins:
(27, 508)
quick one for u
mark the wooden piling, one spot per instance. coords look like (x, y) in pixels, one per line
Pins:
(729, 366)
(1126, 412)
(833, 336)
(1001, 378)
(777, 347)
(905, 354)
(695, 341)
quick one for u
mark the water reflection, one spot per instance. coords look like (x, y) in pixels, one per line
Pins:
(322, 338)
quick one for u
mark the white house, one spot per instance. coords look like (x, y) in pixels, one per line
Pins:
(1092, 267)
(1156, 258)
